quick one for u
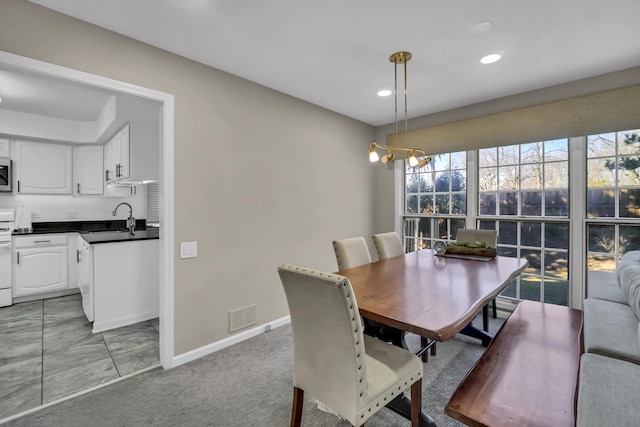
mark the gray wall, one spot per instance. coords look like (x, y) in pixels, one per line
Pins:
(260, 178)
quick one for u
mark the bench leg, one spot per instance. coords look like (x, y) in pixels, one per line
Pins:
(485, 318)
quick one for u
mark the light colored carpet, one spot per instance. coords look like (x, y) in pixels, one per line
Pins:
(248, 384)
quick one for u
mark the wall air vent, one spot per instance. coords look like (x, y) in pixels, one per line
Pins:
(241, 318)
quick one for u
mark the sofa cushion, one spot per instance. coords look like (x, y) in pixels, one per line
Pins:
(607, 392)
(630, 259)
(604, 285)
(611, 329)
(630, 284)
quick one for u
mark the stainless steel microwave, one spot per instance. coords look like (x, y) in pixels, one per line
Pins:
(5, 174)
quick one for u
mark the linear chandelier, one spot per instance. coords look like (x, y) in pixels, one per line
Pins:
(416, 156)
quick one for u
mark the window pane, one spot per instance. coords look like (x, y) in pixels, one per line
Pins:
(487, 203)
(457, 224)
(443, 233)
(531, 176)
(426, 204)
(508, 178)
(530, 288)
(556, 150)
(508, 203)
(535, 260)
(601, 145)
(601, 238)
(556, 175)
(442, 204)
(487, 225)
(601, 203)
(508, 155)
(531, 203)
(510, 252)
(510, 291)
(629, 238)
(556, 291)
(628, 171)
(601, 263)
(488, 179)
(556, 264)
(488, 157)
(507, 234)
(458, 180)
(630, 203)
(531, 153)
(601, 172)
(629, 142)
(459, 204)
(459, 160)
(440, 162)
(556, 235)
(412, 204)
(556, 203)
(442, 181)
(530, 234)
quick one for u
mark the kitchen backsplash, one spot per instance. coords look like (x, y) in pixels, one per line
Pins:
(69, 208)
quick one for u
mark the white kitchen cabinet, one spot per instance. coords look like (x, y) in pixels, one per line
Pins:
(42, 168)
(117, 160)
(88, 170)
(125, 295)
(41, 264)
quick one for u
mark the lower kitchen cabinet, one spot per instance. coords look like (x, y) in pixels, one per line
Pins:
(120, 283)
(41, 264)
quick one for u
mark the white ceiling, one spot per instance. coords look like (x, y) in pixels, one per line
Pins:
(334, 53)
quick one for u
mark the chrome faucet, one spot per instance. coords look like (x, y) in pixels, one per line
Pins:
(131, 221)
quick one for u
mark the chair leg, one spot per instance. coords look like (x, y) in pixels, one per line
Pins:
(495, 309)
(296, 410)
(485, 318)
(416, 403)
(433, 349)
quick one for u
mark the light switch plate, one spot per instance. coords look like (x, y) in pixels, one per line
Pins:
(188, 249)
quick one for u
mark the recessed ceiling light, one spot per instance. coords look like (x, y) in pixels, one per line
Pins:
(384, 92)
(490, 59)
(481, 27)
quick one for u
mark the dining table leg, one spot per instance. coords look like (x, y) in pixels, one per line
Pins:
(472, 331)
(401, 405)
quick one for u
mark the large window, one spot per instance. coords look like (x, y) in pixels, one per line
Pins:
(613, 197)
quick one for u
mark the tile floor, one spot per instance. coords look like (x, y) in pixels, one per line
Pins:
(47, 352)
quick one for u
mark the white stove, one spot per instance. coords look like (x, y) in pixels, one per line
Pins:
(7, 218)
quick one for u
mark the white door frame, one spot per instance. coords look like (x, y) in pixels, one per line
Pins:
(166, 187)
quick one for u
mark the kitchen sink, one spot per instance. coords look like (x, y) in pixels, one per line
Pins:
(122, 230)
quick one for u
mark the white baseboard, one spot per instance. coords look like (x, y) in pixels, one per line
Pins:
(227, 342)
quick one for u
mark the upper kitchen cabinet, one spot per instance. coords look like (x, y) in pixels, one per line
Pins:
(42, 168)
(87, 170)
(131, 156)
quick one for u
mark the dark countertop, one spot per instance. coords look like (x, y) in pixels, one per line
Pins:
(104, 231)
(81, 226)
(120, 236)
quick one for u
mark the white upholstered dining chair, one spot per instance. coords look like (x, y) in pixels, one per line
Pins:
(490, 239)
(353, 374)
(351, 252)
(388, 245)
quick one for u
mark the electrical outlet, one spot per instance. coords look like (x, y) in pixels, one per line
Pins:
(188, 249)
(72, 214)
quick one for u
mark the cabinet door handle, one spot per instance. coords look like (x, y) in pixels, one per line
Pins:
(78, 188)
(106, 175)
(18, 257)
(78, 256)
(42, 241)
(18, 186)
(118, 174)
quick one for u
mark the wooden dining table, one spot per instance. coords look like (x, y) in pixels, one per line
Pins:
(432, 296)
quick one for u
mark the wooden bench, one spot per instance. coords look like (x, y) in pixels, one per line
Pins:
(528, 375)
